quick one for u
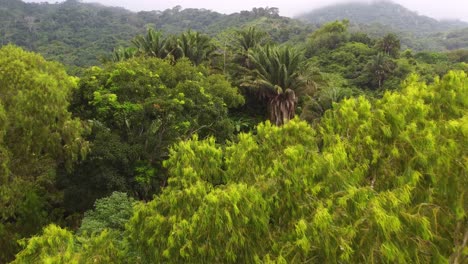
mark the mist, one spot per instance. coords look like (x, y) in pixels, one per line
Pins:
(449, 9)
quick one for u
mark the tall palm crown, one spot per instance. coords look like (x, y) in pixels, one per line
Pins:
(246, 40)
(195, 46)
(380, 68)
(276, 74)
(251, 38)
(192, 45)
(390, 45)
(277, 68)
(152, 44)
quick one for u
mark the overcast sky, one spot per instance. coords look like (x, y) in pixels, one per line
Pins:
(453, 9)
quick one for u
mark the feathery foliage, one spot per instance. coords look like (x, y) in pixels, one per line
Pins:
(374, 182)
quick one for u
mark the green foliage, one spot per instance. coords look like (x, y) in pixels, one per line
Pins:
(328, 37)
(103, 248)
(57, 245)
(153, 44)
(456, 39)
(34, 97)
(349, 60)
(378, 66)
(377, 179)
(276, 75)
(276, 67)
(139, 108)
(390, 45)
(194, 46)
(121, 54)
(4, 157)
(381, 181)
(383, 17)
(250, 38)
(221, 225)
(333, 89)
(242, 42)
(74, 33)
(23, 213)
(37, 135)
(379, 69)
(401, 133)
(81, 34)
(110, 213)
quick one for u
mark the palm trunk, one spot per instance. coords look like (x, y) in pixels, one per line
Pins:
(282, 107)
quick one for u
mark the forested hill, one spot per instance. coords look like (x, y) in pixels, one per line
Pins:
(386, 13)
(71, 32)
(381, 17)
(78, 34)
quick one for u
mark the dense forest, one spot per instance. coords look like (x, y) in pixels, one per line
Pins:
(382, 17)
(82, 34)
(392, 15)
(189, 136)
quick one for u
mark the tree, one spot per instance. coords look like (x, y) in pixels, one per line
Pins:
(41, 136)
(328, 37)
(249, 39)
(58, 245)
(332, 89)
(389, 45)
(139, 107)
(381, 180)
(110, 213)
(196, 47)
(349, 60)
(276, 74)
(153, 44)
(245, 40)
(121, 54)
(379, 69)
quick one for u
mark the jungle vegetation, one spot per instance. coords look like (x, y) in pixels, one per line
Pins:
(237, 145)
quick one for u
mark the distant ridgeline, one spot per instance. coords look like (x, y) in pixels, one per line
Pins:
(381, 17)
(79, 34)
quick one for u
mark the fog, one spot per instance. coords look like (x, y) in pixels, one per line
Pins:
(448, 9)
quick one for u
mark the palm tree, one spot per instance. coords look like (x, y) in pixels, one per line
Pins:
(153, 44)
(196, 47)
(244, 41)
(277, 76)
(121, 54)
(390, 45)
(192, 45)
(250, 38)
(380, 68)
(333, 88)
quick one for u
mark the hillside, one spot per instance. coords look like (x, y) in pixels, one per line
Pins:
(385, 13)
(71, 32)
(78, 34)
(381, 17)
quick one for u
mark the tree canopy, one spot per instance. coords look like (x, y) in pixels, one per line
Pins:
(37, 135)
(189, 136)
(380, 181)
(138, 108)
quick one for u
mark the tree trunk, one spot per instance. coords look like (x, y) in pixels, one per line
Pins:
(282, 107)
